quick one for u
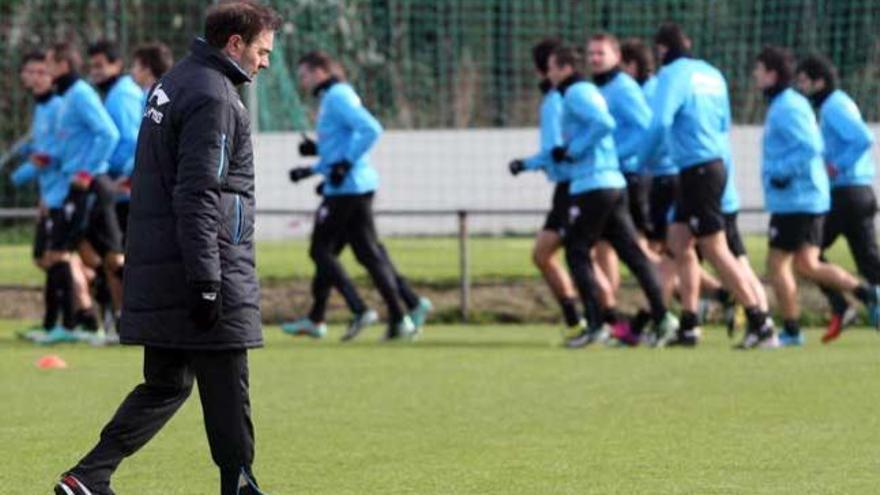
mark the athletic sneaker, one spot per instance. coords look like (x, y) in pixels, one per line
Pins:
(665, 331)
(791, 339)
(686, 338)
(31, 334)
(405, 329)
(419, 315)
(359, 323)
(874, 308)
(247, 485)
(838, 323)
(305, 326)
(588, 337)
(58, 335)
(622, 334)
(763, 338)
(574, 331)
(71, 485)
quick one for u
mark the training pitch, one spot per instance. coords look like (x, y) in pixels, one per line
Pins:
(479, 410)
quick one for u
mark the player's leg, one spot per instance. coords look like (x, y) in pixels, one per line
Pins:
(833, 227)
(547, 243)
(781, 272)
(167, 384)
(609, 264)
(418, 307)
(59, 289)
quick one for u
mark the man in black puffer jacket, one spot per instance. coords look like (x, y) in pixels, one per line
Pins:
(191, 291)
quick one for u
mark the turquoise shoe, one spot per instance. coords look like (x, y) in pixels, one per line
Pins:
(419, 315)
(58, 335)
(305, 326)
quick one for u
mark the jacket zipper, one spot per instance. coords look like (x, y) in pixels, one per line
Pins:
(239, 221)
(221, 166)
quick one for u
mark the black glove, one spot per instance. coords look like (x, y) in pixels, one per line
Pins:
(319, 189)
(204, 302)
(299, 173)
(560, 154)
(780, 182)
(338, 171)
(308, 147)
(516, 167)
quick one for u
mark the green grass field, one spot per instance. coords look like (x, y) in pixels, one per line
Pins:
(426, 260)
(480, 410)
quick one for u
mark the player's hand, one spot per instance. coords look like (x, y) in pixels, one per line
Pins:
(560, 154)
(338, 171)
(832, 170)
(205, 302)
(41, 160)
(299, 173)
(780, 182)
(123, 185)
(308, 147)
(516, 167)
(81, 180)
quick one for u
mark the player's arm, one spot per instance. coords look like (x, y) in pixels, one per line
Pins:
(202, 159)
(25, 173)
(799, 129)
(365, 128)
(589, 107)
(551, 136)
(104, 135)
(126, 115)
(667, 100)
(847, 123)
(637, 114)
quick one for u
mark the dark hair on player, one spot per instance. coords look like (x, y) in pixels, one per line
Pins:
(246, 18)
(66, 51)
(634, 50)
(817, 67)
(672, 37)
(31, 56)
(105, 47)
(156, 57)
(566, 55)
(778, 60)
(541, 52)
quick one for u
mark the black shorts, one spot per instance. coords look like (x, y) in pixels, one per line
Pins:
(664, 191)
(122, 217)
(637, 194)
(791, 231)
(53, 233)
(734, 239)
(41, 234)
(557, 218)
(699, 199)
(103, 231)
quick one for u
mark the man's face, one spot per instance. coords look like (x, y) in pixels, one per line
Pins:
(101, 69)
(39, 77)
(310, 77)
(763, 78)
(254, 56)
(602, 55)
(631, 68)
(141, 74)
(808, 86)
(556, 73)
(662, 50)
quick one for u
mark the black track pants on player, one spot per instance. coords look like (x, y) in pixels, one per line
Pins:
(348, 220)
(603, 214)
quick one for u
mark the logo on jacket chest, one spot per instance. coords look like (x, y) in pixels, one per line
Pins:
(157, 99)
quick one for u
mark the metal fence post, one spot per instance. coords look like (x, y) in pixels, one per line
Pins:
(463, 265)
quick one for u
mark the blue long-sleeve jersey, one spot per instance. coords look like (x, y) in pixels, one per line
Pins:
(792, 153)
(730, 196)
(551, 136)
(662, 164)
(346, 131)
(86, 135)
(631, 113)
(587, 134)
(848, 141)
(691, 113)
(54, 184)
(125, 104)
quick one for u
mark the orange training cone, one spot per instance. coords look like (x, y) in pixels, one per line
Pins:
(51, 362)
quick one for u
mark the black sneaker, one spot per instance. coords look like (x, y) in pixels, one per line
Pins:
(761, 338)
(247, 485)
(685, 338)
(71, 485)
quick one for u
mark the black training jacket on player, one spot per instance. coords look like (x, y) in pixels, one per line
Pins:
(192, 209)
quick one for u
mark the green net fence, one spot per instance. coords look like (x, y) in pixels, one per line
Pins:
(452, 63)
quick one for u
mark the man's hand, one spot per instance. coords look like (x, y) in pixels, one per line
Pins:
(299, 173)
(560, 154)
(832, 170)
(204, 302)
(123, 185)
(338, 171)
(516, 167)
(81, 180)
(41, 160)
(308, 147)
(780, 182)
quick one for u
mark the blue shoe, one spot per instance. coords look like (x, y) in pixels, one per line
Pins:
(58, 335)
(32, 334)
(359, 323)
(419, 315)
(787, 339)
(305, 326)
